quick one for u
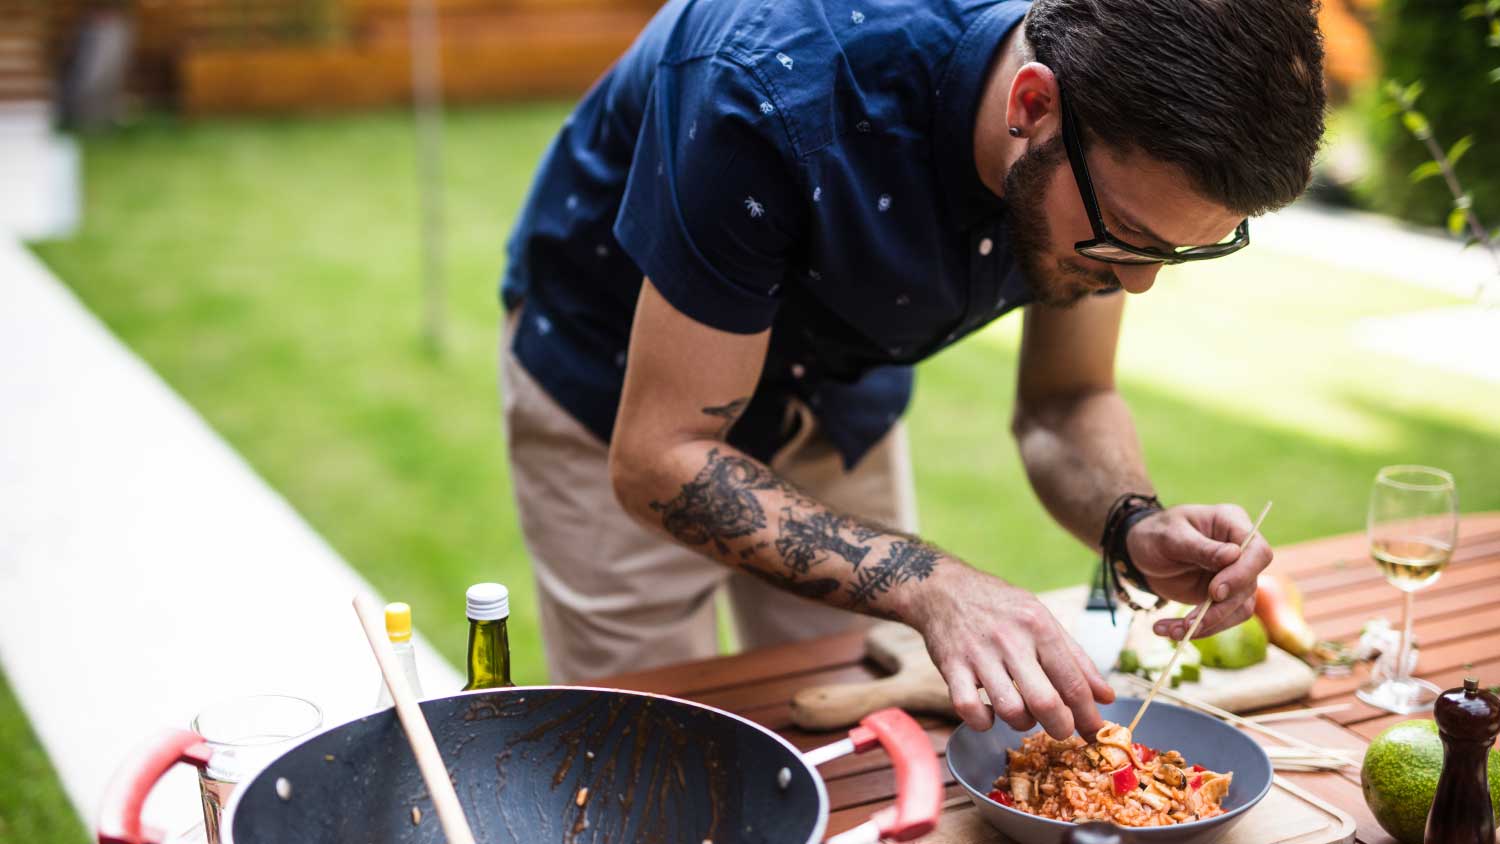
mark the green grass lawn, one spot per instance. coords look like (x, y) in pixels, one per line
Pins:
(268, 271)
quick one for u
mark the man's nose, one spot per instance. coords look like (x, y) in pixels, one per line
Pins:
(1137, 278)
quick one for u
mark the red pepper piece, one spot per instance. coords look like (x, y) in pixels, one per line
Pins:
(1198, 769)
(1003, 798)
(1196, 782)
(1145, 753)
(1125, 780)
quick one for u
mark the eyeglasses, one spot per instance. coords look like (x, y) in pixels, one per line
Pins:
(1110, 249)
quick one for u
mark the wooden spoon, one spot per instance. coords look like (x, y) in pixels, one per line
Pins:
(429, 761)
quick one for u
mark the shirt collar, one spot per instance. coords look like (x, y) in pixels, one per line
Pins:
(958, 96)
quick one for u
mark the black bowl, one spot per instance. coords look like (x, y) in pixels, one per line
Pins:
(976, 759)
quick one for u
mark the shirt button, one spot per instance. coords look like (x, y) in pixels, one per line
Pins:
(986, 246)
(798, 370)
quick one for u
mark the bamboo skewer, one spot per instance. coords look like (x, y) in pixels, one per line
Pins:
(429, 760)
(1293, 714)
(1193, 628)
(1226, 715)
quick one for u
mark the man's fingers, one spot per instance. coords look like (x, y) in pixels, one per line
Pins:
(1226, 615)
(1189, 545)
(1103, 691)
(1071, 683)
(964, 692)
(1005, 699)
(1042, 699)
(1235, 582)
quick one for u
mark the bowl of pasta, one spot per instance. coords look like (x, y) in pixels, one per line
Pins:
(1182, 777)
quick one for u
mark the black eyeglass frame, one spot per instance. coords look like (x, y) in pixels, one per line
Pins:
(1073, 143)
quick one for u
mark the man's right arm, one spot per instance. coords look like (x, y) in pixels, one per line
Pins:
(672, 469)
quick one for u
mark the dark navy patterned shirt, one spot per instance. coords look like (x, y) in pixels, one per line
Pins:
(805, 166)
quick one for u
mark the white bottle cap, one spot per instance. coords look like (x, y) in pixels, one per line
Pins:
(488, 602)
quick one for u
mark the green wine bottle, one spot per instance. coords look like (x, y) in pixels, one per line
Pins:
(489, 645)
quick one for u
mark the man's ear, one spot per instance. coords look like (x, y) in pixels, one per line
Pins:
(1033, 105)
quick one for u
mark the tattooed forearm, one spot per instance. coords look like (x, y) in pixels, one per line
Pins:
(817, 589)
(808, 538)
(752, 519)
(730, 413)
(719, 504)
(906, 560)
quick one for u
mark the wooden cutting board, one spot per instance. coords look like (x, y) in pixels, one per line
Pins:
(1287, 815)
(916, 686)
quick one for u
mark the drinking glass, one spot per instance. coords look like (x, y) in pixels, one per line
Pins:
(246, 734)
(1413, 526)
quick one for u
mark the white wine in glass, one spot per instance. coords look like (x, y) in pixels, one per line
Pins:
(1413, 527)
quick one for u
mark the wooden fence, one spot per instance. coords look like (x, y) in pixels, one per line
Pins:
(237, 56)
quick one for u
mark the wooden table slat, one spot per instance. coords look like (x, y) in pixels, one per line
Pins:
(1475, 601)
(1430, 660)
(1343, 574)
(852, 816)
(749, 697)
(702, 676)
(1297, 560)
(1375, 595)
(1488, 672)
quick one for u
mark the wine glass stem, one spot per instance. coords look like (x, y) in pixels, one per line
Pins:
(1404, 657)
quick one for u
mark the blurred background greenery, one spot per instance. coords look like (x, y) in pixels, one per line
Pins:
(266, 267)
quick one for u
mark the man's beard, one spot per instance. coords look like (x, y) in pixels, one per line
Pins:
(1060, 283)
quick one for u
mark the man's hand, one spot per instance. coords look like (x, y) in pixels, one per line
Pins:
(1193, 551)
(983, 632)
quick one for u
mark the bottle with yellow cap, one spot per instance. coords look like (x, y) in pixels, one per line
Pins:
(398, 628)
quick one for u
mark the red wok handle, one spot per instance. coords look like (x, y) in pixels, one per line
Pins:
(120, 817)
(919, 784)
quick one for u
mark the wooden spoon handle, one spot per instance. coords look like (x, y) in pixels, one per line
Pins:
(444, 799)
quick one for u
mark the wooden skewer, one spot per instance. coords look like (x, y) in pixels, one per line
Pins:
(444, 799)
(1293, 714)
(1176, 652)
(1226, 715)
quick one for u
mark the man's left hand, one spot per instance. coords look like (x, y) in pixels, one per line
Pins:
(1191, 552)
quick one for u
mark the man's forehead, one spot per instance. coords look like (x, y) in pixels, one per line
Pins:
(1156, 197)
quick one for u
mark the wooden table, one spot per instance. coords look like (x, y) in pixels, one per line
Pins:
(1457, 625)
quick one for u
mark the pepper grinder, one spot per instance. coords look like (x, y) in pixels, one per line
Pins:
(1093, 832)
(1468, 720)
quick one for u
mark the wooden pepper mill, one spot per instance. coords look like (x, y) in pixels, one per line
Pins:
(1093, 832)
(1468, 720)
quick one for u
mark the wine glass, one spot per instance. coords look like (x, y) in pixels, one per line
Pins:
(1413, 526)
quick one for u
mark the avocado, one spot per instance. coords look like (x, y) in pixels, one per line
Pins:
(1400, 776)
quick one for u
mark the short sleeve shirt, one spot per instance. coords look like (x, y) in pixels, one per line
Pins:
(802, 166)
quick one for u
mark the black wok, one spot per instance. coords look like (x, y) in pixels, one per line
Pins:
(551, 764)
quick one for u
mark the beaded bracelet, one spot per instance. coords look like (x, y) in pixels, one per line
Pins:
(1115, 566)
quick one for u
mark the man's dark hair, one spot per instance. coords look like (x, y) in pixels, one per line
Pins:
(1229, 90)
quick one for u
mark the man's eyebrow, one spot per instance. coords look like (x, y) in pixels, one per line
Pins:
(1133, 223)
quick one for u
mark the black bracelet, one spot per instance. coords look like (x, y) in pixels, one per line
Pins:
(1116, 567)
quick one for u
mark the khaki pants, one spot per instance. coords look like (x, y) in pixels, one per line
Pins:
(616, 596)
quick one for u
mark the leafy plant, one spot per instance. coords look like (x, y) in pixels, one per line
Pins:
(1403, 100)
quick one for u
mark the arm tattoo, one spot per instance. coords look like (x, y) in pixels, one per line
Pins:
(806, 541)
(905, 561)
(730, 413)
(719, 503)
(816, 589)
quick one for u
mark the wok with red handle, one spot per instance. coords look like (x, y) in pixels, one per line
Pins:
(551, 764)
